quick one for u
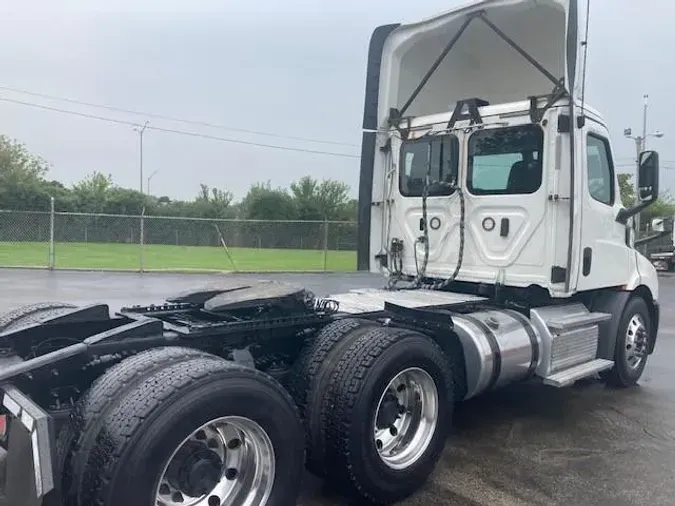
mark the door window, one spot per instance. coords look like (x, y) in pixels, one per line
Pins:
(505, 161)
(438, 155)
(600, 170)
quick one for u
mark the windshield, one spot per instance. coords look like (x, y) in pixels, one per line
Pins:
(414, 163)
(505, 161)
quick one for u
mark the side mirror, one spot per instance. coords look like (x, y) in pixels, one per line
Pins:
(648, 186)
(648, 177)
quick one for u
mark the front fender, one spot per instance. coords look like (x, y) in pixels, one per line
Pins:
(644, 274)
(614, 303)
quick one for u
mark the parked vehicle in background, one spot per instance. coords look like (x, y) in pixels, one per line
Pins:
(660, 244)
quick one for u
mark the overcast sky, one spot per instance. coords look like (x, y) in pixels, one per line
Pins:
(295, 68)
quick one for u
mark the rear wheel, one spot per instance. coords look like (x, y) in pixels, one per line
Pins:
(392, 402)
(632, 345)
(77, 438)
(228, 460)
(200, 432)
(310, 380)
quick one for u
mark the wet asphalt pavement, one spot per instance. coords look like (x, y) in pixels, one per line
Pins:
(523, 445)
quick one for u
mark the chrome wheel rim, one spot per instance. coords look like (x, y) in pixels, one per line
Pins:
(636, 341)
(406, 418)
(228, 461)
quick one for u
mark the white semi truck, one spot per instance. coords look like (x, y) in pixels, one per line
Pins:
(489, 200)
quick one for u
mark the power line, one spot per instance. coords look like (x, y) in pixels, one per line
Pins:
(173, 118)
(176, 131)
(195, 134)
(74, 113)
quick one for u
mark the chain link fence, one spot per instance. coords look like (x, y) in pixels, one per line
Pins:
(148, 243)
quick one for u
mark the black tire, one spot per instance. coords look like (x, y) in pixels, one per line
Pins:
(77, 437)
(139, 435)
(622, 375)
(310, 379)
(362, 376)
(32, 314)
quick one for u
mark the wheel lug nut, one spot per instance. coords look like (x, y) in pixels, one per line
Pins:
(214, 500)
(379, 444)
(231, 474)
(393, 431)
(233, 444)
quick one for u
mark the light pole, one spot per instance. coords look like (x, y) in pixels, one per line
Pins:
(140, 131)
(147, 188)
(640, 146)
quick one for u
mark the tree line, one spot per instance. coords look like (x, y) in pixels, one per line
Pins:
(25, 186)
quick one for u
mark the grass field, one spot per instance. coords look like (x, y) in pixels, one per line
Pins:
(166, 257)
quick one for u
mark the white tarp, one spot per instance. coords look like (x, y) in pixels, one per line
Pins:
(481, 64)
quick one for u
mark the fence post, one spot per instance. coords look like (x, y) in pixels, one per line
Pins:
(141, 240)
(325, 244)
(52, 259)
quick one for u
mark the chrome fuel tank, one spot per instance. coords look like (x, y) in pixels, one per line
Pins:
(500, 346)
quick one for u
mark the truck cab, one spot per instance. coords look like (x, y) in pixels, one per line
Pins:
(483, 165)
(512, 178)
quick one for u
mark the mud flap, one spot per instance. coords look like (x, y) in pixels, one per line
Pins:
(612, 303)
(19, 486)
(28, 462)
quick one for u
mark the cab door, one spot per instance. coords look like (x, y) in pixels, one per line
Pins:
(507, 206)
(605, 258)
(427, 164)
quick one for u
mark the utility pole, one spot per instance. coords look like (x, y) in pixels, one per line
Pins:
(140, 131)
(640, 146)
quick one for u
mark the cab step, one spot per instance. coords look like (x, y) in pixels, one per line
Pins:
(577, 320)
(569, 334)
(568, 376)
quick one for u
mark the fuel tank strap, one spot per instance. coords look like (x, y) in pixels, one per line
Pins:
(527, 325)
(494, 347)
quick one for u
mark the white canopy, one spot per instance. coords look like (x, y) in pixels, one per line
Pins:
(481, 64)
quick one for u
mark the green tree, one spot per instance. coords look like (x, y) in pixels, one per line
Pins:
(126, 201)
(350, 211)
(262, 202)
(22, 183)
(305, 195)
(212, 203)
(91, 194)
(663, 207)
(325, 200)
(627, 189)
(18, 165)
(333, 198)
